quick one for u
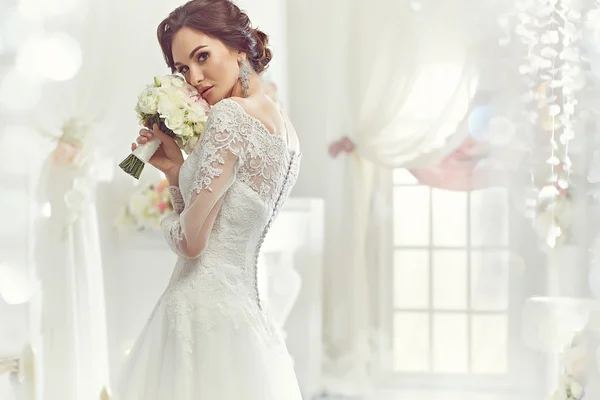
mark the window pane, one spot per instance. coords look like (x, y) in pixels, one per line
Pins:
(403, 177)
(449, 218)
(411, 279)
(489, 344)
(450, 343)
(489, 280)
(450, 280)
(489, 217)
(411, 342)
(411, 216)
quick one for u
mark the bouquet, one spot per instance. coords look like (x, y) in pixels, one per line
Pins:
(178, 110)
(146, 207)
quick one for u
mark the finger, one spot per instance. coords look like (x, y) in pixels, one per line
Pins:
(146, 124)
(145, 133)
(156, 130)
(141, 139)
(133, 146)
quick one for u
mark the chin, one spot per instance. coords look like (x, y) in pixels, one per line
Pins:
(214, 100)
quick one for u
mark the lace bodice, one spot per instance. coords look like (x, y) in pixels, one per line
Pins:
(230, 190)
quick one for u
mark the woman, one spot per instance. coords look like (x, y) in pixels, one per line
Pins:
(208, 337)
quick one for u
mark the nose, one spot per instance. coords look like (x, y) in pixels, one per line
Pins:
(196, 76)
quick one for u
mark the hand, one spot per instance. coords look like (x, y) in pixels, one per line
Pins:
(168, 158)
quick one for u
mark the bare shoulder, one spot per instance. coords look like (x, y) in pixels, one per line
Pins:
(293, 140)
(269, 113)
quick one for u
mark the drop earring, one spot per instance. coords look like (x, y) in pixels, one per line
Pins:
(244, 77)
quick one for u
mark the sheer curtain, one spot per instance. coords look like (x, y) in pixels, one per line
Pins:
(400, 55)
(69, 326)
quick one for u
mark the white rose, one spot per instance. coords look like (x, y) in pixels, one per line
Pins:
(175, 120)
(166, 107)
(191, 116)
(168, 81)
(196, 113)
(147, 102)
(168, 103)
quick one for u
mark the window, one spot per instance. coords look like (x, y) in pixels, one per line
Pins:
(449, 288)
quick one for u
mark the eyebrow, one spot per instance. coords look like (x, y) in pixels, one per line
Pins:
(193, 52)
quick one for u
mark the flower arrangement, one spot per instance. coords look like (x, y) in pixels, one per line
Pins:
(145, 208)
(571, 382)
(178, 110)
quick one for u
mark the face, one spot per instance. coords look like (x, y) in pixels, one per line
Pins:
(206, 63)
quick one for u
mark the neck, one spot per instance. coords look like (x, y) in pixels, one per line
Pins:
(254, 87)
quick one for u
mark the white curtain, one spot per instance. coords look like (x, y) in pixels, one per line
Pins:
(69, 325)
(72, 343)
(411, 83)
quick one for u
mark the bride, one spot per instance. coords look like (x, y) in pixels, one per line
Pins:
(208, 336)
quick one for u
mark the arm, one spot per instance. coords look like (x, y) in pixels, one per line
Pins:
(219, 151)
(176, 198)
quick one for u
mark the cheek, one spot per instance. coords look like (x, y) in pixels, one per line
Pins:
(223, 69)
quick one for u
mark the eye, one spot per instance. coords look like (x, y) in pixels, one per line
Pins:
(202, 56)
(183, 70)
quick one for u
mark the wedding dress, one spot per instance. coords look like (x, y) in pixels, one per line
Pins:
(209, 338)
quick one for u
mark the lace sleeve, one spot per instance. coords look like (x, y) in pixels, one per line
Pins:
(220, 153)
(176, 198)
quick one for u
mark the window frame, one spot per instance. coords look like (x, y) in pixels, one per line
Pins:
(386, 376)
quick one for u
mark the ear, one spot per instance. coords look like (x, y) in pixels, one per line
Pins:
(242, 55)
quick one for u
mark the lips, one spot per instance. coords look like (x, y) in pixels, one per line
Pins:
(205, 91)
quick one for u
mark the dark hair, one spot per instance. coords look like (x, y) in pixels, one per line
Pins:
(220, 19)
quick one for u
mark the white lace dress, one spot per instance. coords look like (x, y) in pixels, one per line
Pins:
(208, 337)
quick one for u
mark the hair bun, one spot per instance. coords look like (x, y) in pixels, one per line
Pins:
(262, 56)
(222, 20)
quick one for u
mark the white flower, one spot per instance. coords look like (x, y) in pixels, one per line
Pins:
(176, 119)
(195, 114)
(148, 102)
(576, 390)
(550, 37)
(187, 131)
(178, 105)
(168, 81)
(168, 102)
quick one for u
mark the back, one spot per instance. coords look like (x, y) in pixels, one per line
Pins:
(266, 173)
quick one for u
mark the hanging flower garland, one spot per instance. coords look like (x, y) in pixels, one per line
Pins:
(592, 24)
(551, 31)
